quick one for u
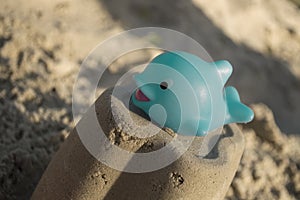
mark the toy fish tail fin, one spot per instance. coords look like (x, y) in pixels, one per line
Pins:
(236, 110)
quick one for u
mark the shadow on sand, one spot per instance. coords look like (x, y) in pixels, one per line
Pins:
(258, 77)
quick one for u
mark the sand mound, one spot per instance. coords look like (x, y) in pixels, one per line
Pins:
(85, 177)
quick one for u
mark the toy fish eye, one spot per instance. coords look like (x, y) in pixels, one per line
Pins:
(163, 85)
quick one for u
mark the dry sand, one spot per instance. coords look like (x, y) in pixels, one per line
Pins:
(42, 44)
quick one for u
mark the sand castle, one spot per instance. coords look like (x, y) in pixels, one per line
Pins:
(75, 174)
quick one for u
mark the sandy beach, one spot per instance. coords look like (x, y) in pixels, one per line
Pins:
(43, 43)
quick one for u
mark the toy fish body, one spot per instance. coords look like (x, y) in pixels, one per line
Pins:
(181, 91)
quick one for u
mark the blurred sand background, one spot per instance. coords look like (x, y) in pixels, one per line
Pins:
(42, 44)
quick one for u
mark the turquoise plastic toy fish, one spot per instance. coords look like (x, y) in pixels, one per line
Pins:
(181, 91)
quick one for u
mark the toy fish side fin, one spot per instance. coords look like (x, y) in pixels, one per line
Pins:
(225, 69)
(236, 110)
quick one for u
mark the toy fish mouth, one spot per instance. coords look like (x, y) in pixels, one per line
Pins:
(140, 96)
